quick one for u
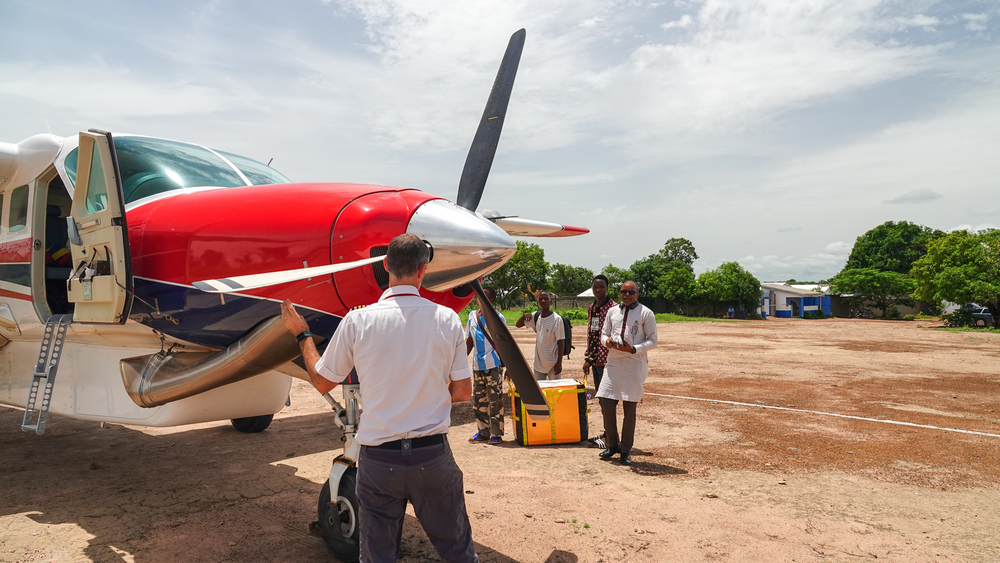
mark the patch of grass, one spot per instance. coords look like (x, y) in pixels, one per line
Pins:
(672, 318)
(969, 329)
(512, 315)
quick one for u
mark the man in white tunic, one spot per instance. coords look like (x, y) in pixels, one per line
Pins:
(629, 332)
(410, 358)
(550, 338)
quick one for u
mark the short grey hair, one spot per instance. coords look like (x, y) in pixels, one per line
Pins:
(406, 254)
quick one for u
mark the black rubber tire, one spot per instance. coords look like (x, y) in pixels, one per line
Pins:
(980, 322)
(346, 549)
(252, 424)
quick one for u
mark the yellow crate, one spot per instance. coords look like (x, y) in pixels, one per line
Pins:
(567, 422)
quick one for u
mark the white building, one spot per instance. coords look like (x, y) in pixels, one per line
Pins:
(788, 301)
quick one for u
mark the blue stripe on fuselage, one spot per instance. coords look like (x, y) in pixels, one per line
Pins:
(206, 319)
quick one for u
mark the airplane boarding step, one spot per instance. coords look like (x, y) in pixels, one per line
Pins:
(45, 369)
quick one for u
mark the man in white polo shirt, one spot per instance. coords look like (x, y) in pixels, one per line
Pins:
(550, 337)
(410, 358)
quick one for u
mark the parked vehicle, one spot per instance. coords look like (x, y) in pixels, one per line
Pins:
(982, 316)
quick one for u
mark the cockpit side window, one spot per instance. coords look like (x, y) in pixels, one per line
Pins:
(258, 173)
(70, 164)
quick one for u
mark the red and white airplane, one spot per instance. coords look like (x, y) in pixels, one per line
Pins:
(141, 278)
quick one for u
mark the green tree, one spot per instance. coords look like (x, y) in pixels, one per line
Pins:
(569, 280)
(891, 247)
(676, 286)
(881, 289)
(730, 285)
(526, 268)
(616, 277)
(660, 275)
(679, 250)
(961, 267)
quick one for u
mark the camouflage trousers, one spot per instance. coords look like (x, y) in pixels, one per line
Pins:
(488, 401)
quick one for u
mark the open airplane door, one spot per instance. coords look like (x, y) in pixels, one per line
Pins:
(100, 286)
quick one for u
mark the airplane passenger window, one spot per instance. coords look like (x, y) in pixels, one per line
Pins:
(150, 166)
(258, 173)
(18, 214)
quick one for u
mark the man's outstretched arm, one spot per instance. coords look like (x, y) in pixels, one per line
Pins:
(310, 355)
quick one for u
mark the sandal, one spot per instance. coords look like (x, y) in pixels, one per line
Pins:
(496, 440)
(479, 437)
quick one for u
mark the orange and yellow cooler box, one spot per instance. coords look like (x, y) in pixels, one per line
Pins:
(568, 420)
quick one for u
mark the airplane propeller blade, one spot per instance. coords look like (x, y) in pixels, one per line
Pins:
(470, 191)
(254, 281)
(484, 145)
(520, 374)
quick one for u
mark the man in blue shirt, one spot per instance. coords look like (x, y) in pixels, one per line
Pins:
(486, 370)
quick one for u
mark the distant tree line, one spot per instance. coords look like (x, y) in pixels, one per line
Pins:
(896, 263)
(666, 279)
(893, 264)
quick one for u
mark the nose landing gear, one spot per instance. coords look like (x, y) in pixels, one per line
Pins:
(338, 522)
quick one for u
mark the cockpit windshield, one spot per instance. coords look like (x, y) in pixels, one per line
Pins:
(150, 166)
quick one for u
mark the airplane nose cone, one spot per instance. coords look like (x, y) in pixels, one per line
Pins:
(466, 246)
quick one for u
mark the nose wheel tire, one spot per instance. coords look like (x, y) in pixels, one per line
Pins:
(339, 523)
(252, 424)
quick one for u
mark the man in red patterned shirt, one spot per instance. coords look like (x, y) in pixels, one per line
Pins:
(596, 355)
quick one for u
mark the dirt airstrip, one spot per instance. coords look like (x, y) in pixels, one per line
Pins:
(740, 456)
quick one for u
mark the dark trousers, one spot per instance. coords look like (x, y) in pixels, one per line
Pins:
(431, 481)
(598, 375)
(609, 408)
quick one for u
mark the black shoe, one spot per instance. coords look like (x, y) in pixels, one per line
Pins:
(626, 459)
(609, 453)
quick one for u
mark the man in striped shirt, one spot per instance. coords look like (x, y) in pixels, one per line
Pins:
(486, 367)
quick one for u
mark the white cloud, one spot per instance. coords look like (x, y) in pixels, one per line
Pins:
(839, 248)
(602, 212)
(112, 92)
(954, 152)
(684, 22)
(975, 22)
(974, 228)
(919, 20)
(820, 265)
(922, 195)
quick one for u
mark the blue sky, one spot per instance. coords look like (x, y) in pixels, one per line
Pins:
(772, 133)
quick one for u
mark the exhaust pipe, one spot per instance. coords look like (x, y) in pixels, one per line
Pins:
(162, 378)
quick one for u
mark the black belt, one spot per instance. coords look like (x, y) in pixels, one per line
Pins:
(421, 442)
